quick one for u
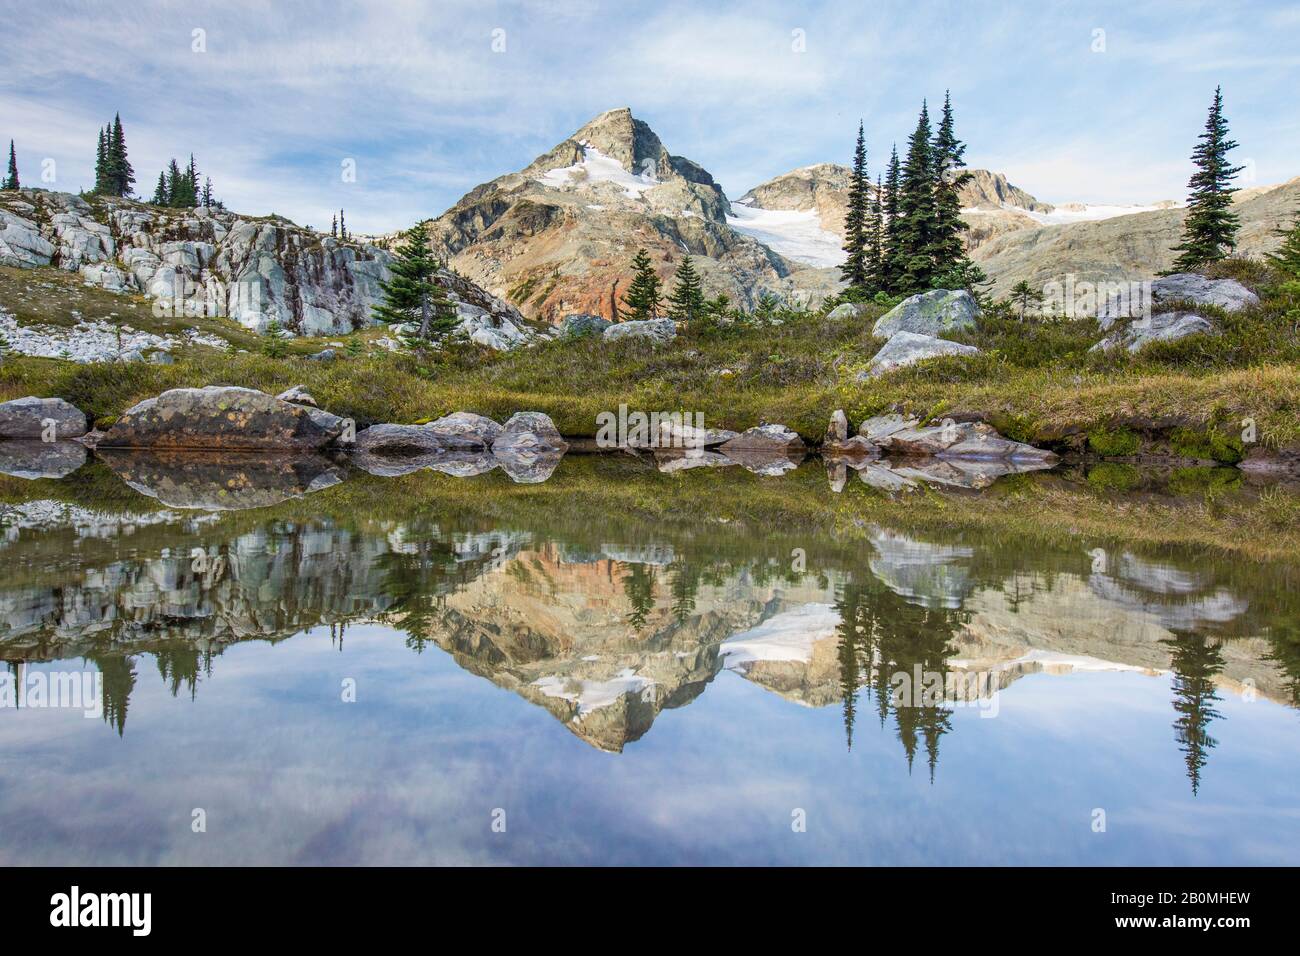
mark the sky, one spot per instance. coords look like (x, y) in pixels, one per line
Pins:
(1074, 101)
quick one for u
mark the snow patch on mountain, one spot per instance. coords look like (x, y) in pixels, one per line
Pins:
(1074, 212)
(596, 167)
(794, 233)
(789, 636)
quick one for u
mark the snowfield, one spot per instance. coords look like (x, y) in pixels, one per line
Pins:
(596, 167)
(795, 234)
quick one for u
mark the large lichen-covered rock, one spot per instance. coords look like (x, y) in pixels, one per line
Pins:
(930, 313)
(223, 417)
(907, 348)
(33, 418)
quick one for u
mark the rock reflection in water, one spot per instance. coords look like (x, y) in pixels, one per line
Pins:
(222, 481)
(606, 622)
(34, 459)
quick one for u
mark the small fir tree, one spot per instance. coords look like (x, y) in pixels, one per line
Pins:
(1210, 226)
(11, 177)
(644, 296)
(686, 303)
(413, 293)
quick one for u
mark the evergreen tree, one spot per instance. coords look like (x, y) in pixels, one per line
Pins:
(875, 240)
(917, 218)
(1210, 226)
(643, 296)
(1287, 258)
(11, 178)
(101, 163)
(686, 303)
(207, 193)
(121, 177)
(160, 197)
(413, 291)
(174, 182)
(854, 271)
(948, 249)
(891, 268)
(334, 227)
(343, 226)
(1026, 297)
(185, 194)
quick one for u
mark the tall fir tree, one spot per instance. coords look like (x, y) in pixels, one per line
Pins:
(206, 198)
(891, 267)
(854, 271)
(101, 163)
(413, 293)
(334, 226)
(1210, 226)
(121, 175)
(916, 211)
(948, 247)
(686, 303)
(644, 296)
(876, 278)
(11, 177)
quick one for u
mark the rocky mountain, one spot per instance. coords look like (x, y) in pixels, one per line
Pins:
(558, 237)
(255, 270)
(1125, 247)
(1012, 235)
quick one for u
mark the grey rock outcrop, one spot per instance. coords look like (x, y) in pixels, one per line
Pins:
(657, 331)
(396, 441)
(212, 262)
(582, 324)
(298, 395)
(848, 310)
(907, 348)
(30, 418)
(1161, 327)
(465, 431)
(930, 313)
(528, 432)
(973, 441)
(1226, 294)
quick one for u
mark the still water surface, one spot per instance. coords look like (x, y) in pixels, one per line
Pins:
(377, 674)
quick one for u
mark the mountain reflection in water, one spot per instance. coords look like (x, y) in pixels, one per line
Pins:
(606, 619)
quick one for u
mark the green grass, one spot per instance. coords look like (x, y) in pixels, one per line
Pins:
(1035, 381)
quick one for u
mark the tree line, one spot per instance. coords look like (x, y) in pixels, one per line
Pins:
(904, 233)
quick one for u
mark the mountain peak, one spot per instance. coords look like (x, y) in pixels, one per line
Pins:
(621, 136)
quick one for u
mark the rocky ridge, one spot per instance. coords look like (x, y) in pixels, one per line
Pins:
(212, 262)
